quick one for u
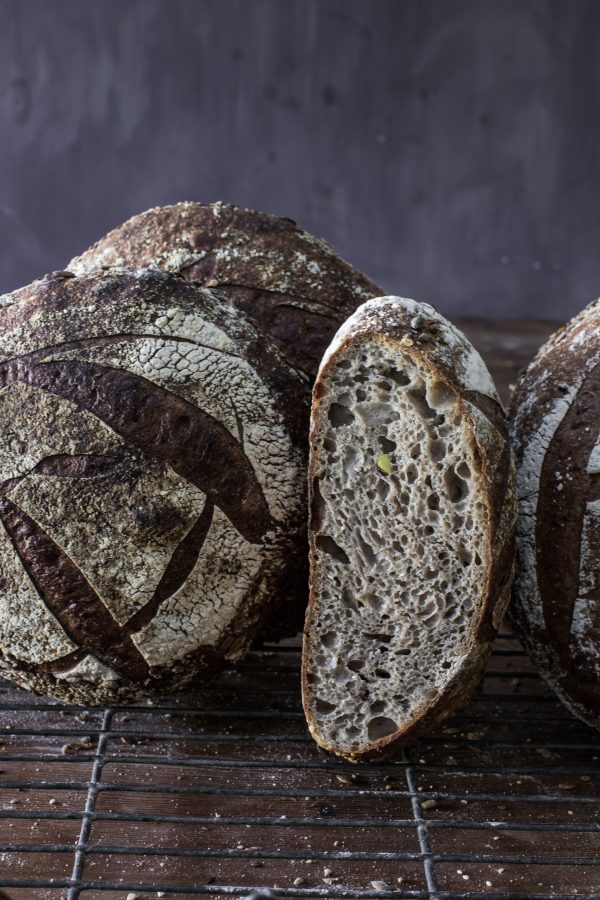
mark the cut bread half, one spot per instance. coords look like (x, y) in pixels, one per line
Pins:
(411, 528)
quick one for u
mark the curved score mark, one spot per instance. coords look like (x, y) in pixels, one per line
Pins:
(70, 597)
(179, 567)
(560, 513)
(163, 425)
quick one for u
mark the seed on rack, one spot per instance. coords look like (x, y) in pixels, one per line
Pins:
(381, 886)
(132, 896)
(429, 804)
(584, 777)
(53, 802)
(327, 873)
(298, 881)
(345, 779)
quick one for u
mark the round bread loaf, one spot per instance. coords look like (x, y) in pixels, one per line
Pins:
(411, 530)
(152, 484)
(292, 285)
(555, 411)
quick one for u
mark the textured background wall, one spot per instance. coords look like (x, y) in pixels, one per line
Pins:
(450, 148)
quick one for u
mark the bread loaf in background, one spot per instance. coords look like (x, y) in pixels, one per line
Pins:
(292, 285)
(555, 431)
(152, 487)
(411, 531)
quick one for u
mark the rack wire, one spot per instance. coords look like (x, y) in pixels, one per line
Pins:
(222, 791)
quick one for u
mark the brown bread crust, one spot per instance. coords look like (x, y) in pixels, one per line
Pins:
(446, 354)
(290, 284)
(555, 411)
(129, 409)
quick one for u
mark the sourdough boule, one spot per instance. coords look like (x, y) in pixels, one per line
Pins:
(554, 425)
(151, 496)
(411, 528)
(292, 285)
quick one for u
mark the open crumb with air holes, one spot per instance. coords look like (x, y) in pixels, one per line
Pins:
(412, 515)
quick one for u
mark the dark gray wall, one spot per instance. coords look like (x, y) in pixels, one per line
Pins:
(449, 148)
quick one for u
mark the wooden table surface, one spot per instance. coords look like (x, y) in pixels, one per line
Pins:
(220, 791)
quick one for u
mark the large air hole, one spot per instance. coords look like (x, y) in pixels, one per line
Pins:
(349, 600)
(418, 399)
(440, 395)
(355, 665)
(396, 375)
(437, 450)
(329, 639)
(456, 487)
(340, 415)
(465, 555)
(324, 707)
(376, 414)
(382, 673)
(386, 445)
(327, 544)
(380, 727)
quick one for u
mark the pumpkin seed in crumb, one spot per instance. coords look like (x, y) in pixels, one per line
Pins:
(384, 463)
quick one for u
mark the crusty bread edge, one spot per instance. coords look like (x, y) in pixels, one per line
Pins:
(498, 577)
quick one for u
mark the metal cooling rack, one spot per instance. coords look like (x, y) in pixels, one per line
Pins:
(222, 791)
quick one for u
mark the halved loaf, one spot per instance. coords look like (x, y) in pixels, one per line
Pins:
(152, 486)
(554, 423)
(292, 285)
(411, 527)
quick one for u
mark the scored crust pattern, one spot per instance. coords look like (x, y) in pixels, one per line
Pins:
(556, 608)
(149, 513)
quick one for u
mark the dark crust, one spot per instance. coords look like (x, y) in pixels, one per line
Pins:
(161, 425)
(560, 510)
(70, 597)
(263, 264)
(498, 489)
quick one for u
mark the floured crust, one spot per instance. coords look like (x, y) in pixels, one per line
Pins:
(151, 500)
(555, 409)
(435, 346)
(292, 285)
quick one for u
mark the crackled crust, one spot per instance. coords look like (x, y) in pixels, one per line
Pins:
(435, 346)
(152, 471)
(292, 285)
(553, 425)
